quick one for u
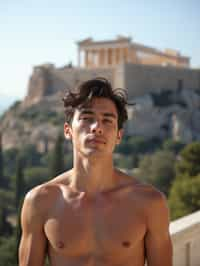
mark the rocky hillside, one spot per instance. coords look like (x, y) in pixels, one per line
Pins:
(167, 114)
(39, 118)
(38, 124)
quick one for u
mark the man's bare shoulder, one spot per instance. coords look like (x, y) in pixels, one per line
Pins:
(41, 197)
(146, 191)
(152, 200)
(38, 199)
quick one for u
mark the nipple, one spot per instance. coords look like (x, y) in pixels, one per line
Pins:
(60, 244)
(126, 244)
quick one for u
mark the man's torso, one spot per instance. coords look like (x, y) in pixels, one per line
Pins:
(108, 229)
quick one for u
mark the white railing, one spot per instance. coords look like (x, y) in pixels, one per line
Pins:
(185, 233)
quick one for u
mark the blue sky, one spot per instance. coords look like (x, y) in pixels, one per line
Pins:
(36, 32)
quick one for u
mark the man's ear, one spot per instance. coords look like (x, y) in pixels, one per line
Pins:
(67, 131)
(119, 136)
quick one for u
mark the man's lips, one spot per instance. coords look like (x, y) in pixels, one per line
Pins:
(96, 140)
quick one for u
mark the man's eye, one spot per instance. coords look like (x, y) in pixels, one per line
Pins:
(107, 121)
(86, 118)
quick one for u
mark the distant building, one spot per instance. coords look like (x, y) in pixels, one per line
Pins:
(92, 54)
(151, 77)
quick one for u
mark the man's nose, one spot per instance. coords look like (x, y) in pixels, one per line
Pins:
(96, 127)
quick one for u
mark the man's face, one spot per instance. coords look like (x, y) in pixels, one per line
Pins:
(94, 128)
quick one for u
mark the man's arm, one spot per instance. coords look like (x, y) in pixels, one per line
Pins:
(32, 248)
(157, 241)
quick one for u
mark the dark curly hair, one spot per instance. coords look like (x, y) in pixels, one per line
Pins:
(98, 87)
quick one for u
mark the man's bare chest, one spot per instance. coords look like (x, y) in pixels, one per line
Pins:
(104, 225)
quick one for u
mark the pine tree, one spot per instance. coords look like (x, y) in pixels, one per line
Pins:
(1, 164)
(184, 196)
(184, 193)
(57, 160)
(5, 226)
(20, 184)
(18, 231)
(189, 160)
(2, 220)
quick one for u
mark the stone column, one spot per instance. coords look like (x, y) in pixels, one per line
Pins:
(113, 57)
(100, 58)
(125, 54)
(109, 56)
(104, 54)
(93, 58)
(129, 54)
(79, 57)
(86, 58)
(90, 58)
(106, 57)
(117, 56)
(96, 58)
(121, 59)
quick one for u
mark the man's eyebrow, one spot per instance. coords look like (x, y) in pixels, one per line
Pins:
(86, 111)
(90, 112)
(110, 115)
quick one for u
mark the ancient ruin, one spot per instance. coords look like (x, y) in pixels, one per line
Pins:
(106, 53)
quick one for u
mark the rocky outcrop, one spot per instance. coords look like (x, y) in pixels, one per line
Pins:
(168, 114)
(42, 84)
(38, 124)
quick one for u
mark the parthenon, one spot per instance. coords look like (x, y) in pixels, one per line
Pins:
(92, 54)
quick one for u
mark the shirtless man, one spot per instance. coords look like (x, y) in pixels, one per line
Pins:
(95, 215)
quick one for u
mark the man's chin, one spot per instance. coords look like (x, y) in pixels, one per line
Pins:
(93, 151)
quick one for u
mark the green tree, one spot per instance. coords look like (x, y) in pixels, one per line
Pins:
(3, 221)
(30, 156)
(184, 196)
(185, 191)
(5, 227)
(34, 176)
(158, 170)
(124, 161)
(18, 231)
(174, 146)
(57, 158)
(7, 251)
(68, 160)
(1, 164)
(124, 147)
(20, 184)
(134, 145)
(189, 160)
(9, 158)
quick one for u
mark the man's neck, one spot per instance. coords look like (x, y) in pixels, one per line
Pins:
(93, 175)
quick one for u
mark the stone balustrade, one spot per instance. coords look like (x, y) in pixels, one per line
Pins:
(185, 233)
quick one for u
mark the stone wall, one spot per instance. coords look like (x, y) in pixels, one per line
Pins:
(138, 79)
(141, 79)
(72, 76)
(46, 80)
